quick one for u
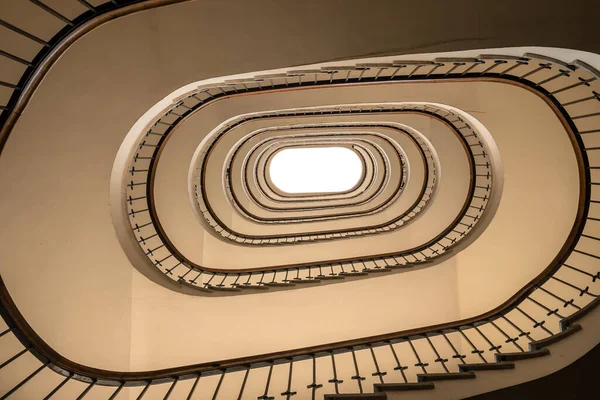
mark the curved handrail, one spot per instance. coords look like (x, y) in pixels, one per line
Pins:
(273, 148)
(230, 279)
(468, 328)
(48, 357)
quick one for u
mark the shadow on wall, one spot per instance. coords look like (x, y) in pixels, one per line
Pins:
(574, 382)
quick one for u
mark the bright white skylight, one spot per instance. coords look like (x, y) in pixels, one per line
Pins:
(315, 169)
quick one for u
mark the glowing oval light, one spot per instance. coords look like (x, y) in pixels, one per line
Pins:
(316, 170)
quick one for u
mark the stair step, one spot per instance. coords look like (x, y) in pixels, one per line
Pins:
(522, 356)
(252, 287)
(397, 387)
(554, 338)
(357, 273)
(378, 270)
(445, 376)
(357, 396)
(195, 287)
(486, 367)
(303, 281)
(224, 289)
(279, 284)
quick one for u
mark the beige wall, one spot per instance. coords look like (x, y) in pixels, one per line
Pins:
(55, 171)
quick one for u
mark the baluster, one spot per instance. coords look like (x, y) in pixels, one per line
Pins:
(314, 385)
(549, 311)
(87, 390)
(419, 363)
(13, 358)
(57, 388)
(244, 383)
(475, 349)
(581, 291)
(535, 322)
(171, 388)
(594, 277)
(288, 393)
(117, 391)
(508, 338)
(357, 377)
(193, 281)
(399, 367)
(265, 395)
(144, 390)
(27, 379)
(493, 346)
(521, 331)
(439, 359)
(207, 284)
(335, 379)
(5, 332)
(221, 284)
(461, 357)
(219, 385)
(565, 302)
(380, 374)
(235, 283)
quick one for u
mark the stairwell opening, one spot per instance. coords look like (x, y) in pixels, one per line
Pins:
(315, 170)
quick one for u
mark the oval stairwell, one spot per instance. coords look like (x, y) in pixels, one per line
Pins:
(150, 253)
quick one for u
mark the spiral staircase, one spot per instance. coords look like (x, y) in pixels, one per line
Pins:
(147, 252)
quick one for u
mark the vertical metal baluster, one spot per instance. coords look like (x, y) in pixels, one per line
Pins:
(219, 385)
(335, 379)
(493, 346)
(508, 338)
(535, 322)
(461, 357)
(262, 277)
(581, 291)
(207, 284)
(549, 311)
(235, 283)
(439, 359)
(288, 393)
(565, 302)
(24, 381)
(57, 388)
(265, 395)
(117, 391)
(475, 349)
(220, 284)
(87, 390)
(419, 363)
(594, 277)
(193, 389)
(521, 331)
(380, 374)
(357, 377)
(399, 366)
(13, 358)
(168, 394)
(314, 385)
(5, 332)
(143, 392)
(244, 384)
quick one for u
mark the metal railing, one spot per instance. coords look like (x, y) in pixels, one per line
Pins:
(146, 225)
(541, 313)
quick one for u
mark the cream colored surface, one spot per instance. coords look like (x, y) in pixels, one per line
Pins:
(58, 242)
